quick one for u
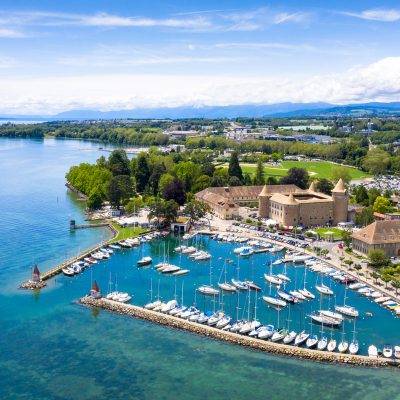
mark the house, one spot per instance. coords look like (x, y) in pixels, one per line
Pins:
(181, 225)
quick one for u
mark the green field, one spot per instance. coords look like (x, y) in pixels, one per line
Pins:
(337, 233)
(125, 233)
(318, 169)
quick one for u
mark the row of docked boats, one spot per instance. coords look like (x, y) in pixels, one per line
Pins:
(193, 253)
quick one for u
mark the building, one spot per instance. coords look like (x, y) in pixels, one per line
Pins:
(181, 225)
(383, 235)
(36, 274)
(288, 205)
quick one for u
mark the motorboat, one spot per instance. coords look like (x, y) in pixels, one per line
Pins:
(133, 241)
(227, 287)
(364, 290)
(376, 295)
(208, 290)
(289, 337)
(104, 253)
(277, 262)
(266, 332)
(177, 310)
(115, 246)
(97, 256)
(170, 269)
(194, 317)
(273, 279)
(323, 320)
(306, 293)
(322, 343)
(347, 310)
(324, 290)
(125, 244)
(354, 346)
(273, 301)
(189, 250)
(239, 284)
(145, 261)
(152, 305)
(382, 299)
(301, 338)
(106, 250)
(246, 252)
(283, 277)
(249, 326)
(238, 250)
(387, 351)
(203, 318)
(169, 306)
(215, 318)
(331, 345)
(180, 272)
(331, 314)
(252, 286)
(68, 271)
(279, 335)
(312, 341)
(372, 351)
(283, 294)
(255, 332)
(189, 312)
(343, 346)
(225, 320)
(237, 325)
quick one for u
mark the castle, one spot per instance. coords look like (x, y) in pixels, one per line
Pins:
(288, 205)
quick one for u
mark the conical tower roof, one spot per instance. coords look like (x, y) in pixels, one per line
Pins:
(313, 187)
(95, 287)
(292, 200)
(339, 186)
(36, 271)
(264, 192)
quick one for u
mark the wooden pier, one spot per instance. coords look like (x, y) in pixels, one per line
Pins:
(235, 338)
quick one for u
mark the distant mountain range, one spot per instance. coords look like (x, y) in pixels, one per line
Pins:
(255, 111)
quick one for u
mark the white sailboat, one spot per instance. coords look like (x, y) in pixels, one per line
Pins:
(373, 351)
(227, 287)
(209, 290)
(301, 338)
(157, 303)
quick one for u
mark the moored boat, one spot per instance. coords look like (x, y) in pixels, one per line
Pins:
(372, 351)
(145, 261)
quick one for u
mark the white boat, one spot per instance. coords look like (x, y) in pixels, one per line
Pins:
(382, 299)
(246, 252)
(123, 298)
(397, 352)
(297, 295)
(97, 256)
(324, 290)
(273, 279)
(331, 314)
(158, 308)
(238, 250)
(114, 246)
(227, 287)
(215, 318)
(203, 318)
(306, 293)
(331, 345)
(68, 271)
(273, 301)
(321, 319)
(125, 244)
(266, 333)
(169, 306)
(257, 331)
(347, 310)
(177, 310)
(289, 337)
(180, 248)
(237, 325)
(203, 256)
(239, 284)
(376, 295)
(276, 249)
(152, 305)
(279, 335)
(312, 341)
(286, 296)
(322, 343)
(208, 290)
(283, 277)
(189, 312)
(145, 261)
(180, 272)
(225, 320)
(162, 265)
(343, 346)
(170, 269)
(249, 326)
(372, 351)
(194, 317)
(353, 348)
(301, 338)
(364, 290)
(387, 351)
(356, 285)
(277, 262)
(189, 250)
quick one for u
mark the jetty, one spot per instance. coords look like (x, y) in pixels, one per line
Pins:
(134, 311)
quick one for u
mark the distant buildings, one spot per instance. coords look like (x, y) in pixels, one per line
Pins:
(383, 235)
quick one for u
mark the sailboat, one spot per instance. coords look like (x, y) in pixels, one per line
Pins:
(157, 303)
(331, 345)
(290, 335)
(209, 290)
(373, 351)
(250, 325)
(301, 338)
(225, 285)
(345, 309)
(237, 282)
(323, 289)
(305, 292)
(343, 345)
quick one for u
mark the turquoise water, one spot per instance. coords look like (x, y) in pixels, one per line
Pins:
(51, 348)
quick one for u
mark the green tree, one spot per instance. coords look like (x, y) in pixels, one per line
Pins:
(271, 180)
(95, 200)
(373, 193)
(142, 173)
(361, 196)
(118, 163)
(365, 217)
(324, 186)
(386, 278)
(134, 205)
(346, 237)
(341, 173)
(196, 210)
(296, 176)
(234, 167)
(174, 190)
(375, 276)
(381, 205)
(396, 284)
(377, 161)
(377, 258)
(187, 172)
(119, 190)
(259, 176)
(247, 179)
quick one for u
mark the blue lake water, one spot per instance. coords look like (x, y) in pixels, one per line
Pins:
(51, 348)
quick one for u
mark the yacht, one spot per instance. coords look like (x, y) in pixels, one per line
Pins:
(194, 317)
(203, 256)
(225, 320)
(306, 293)
(331, 345)
(97, 256)
(237, 325)
(312, 341)
(170, 305)
(227, 287)
(277, 262)
(353, 348)
(297, 295)
(114, 246)
(189, 250)
(68, 271)
(216, 317)
(331, 314)
(273, 279)
(324, 290)
(188, 312)
(177, 311)
(180, 248)
(239, 284)
(273, 301)
(301, 338)
(372, 351)
(257, 331)
(238, 250)
(249, 326)
(279, 335)
(283, 277)
(145, 261)
(170, 269)
(347, 310)
(208, 290)
(387, 351)
(322, 319)
(283, 294)
(203, 318)
(252, 286)
(152, 305)
(266, 333)
(180, 272)
(382, 299)
(289, 337)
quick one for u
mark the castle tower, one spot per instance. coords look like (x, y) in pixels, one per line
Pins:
(291, 212)
(340, 202)
(313, 187)
(36, 274)
(263, 203)
(95, 291)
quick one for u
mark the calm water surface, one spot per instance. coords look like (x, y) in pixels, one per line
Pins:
(50, 348)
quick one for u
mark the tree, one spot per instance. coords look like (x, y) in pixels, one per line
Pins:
(376, 161)
(377, 258)
(381, 205)
(119, 190)
(259, 177)
(134, 205)
(187, 172)
(365, 217)
(386, 278)
(324, 186)
(196, 210)
(396, 284)
(247, 179)
(95, 200)
(346, 237)
(234, 167)
(234, 181)
(157, 170)
(375, 276)
(162, 209)
(118, 163)
(271, 180)
(361, 196)
(174, 190)
(341, 173)
(202, 182)
(142, 173)
(101, 162)
(296, 176)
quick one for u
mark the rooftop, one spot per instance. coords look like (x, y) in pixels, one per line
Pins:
(380, 232)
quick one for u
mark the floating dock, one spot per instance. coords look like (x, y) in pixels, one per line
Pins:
(234, 338)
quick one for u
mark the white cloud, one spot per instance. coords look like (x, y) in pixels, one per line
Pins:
(293, 17)
(382, 15)
(11, 33)
(379, 81)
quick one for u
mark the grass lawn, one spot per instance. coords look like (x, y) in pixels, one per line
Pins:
(337, 233)
(318, 169)
(125, 233)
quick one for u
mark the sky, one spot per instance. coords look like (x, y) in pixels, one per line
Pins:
(126, 54)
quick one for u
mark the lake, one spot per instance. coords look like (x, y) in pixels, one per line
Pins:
(51, 348)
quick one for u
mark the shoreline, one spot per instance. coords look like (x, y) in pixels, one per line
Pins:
(137, 312)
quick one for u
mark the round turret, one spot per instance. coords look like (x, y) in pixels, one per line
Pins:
(263, 203)
(340, 202)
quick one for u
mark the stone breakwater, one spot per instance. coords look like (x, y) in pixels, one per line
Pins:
(234, 338)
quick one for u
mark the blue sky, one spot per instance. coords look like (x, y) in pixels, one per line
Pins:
(57, 56)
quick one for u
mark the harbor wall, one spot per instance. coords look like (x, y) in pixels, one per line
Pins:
(234, 338)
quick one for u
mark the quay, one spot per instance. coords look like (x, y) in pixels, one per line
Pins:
(133, 311)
